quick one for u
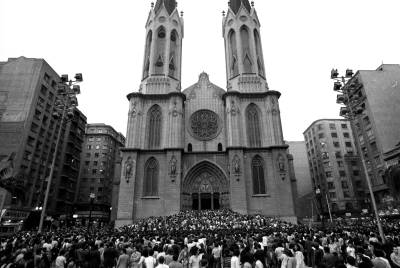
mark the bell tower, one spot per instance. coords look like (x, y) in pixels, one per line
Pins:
(163, 51)
(245, 70)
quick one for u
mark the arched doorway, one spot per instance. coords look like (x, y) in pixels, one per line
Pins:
(205, 187)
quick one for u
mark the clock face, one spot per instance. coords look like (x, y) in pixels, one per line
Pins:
(204, 125)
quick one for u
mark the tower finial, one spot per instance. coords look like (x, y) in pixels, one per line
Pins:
(152, 4)
(170, 5)
(252, 4)
(236, 4)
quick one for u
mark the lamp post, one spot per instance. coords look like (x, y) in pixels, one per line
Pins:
(64, 107)
(351, 111)
(92, 196)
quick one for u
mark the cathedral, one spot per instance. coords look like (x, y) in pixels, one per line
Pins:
(204, 147)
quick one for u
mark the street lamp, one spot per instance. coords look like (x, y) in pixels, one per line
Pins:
(351, 111)
(65, 105)
(92, 196)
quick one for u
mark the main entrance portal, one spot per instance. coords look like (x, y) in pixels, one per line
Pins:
(205, 188)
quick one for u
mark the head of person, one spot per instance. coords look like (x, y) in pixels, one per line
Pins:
(351, 261)
(161, 260)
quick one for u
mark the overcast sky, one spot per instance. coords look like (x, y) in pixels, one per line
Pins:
(302, 41)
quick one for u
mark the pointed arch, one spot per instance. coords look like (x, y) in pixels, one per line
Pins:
(245, 41)
(174, 52)
(257, 173)
(160, 50)
(260, 62)
(154, 121)
(233, 65)
(146, 65)
(151, 174)
(253, 126)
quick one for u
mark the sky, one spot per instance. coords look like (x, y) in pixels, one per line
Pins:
(302, 41)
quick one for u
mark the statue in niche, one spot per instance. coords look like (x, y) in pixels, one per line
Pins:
(175, 110)
(173, 168)
(234, 109)
(281, 163)
(129, 168)
(133, 111)
(236, 165)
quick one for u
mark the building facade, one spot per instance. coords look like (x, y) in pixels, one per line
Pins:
(204, 147)
(335, 168)
(28, 134)
(101, 149)
(376, 94)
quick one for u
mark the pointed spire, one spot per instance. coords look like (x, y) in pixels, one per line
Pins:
(170, 5)
(235, 5)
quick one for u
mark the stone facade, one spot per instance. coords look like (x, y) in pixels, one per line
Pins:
(204, 147)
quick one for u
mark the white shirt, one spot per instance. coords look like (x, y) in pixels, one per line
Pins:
(150, 262)
(60, 262)
(235, 262)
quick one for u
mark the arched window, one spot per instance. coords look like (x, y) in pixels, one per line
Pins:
(190, 147)
(234, 67)
(219, 147)
(244, 37)
(151, 172)
(146, 65)
(257, 170)
(154, 127)
(253, 126)
(173, 54)
(260, 63)
(160, 51)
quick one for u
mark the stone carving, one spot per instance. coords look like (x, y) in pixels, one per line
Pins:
(133, 111)
(172, 166)
(236, 165)
(281, 164)
(234, 110)
(175, 111)
(129, 169)
(192, 95)
(205, 125)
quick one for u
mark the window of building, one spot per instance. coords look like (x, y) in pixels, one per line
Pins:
(344, 126)
(359, 184)
(328, 174)
(95, 163)
(97, 147)
(94, 171)
(338, 154)
(46, 77)
(87, 163)
(154, 120)
(374, 148)
(332, 126)
(43, 90)
(346, 194)
(151, 178)
(88, 155)
(105, 147)
(91, 139)
(370, 134)
(219, 147)
(325, 155)
(320, 127)
(348, 144)
(257, 167)
(345, 185)
(321, 135)
(342, 173)
(340, 163)
(336, 144)
(356, 173)
(331, 186)
(89, 147)
(98, 139)
(366, 120)
(346, 135)
(334, 135)
(332, 195)
(100, 189)
(190, 147)
(253, 126)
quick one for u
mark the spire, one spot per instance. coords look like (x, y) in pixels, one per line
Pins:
(235, 5)
(170, 5)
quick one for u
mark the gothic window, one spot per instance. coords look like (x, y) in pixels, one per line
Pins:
(160, 50)
(190, 147)
(257, 168)
(146, 66)
(234, 69)
(260, 64)
(154, 127)
(173, 54)
(151, 171)
(219, 147)
(244, 36)
(253, 126)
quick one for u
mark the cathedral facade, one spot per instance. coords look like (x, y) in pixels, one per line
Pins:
(204, 147)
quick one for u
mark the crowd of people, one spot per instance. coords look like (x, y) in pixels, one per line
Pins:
(207, 239)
